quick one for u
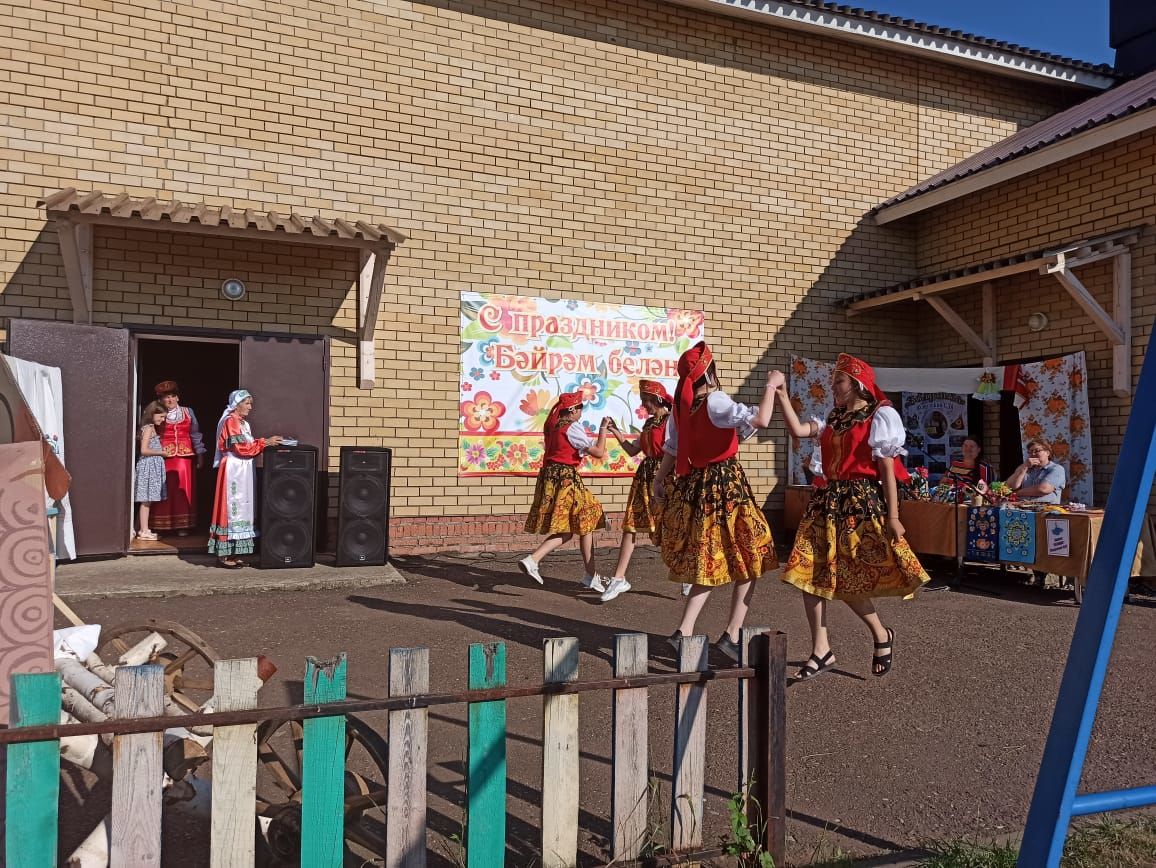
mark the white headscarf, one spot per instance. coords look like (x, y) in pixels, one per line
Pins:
(235, 398)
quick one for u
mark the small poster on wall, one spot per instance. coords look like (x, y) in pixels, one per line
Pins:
(936, 424)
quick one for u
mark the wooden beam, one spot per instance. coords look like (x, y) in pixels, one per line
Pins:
(137, 770)
(76, 251)
(234, 794)
(560, 758)
(1076, 259)
(956, 322)
(370, 284)
(945, 285)
(1091, 307)
(1122, 310)
(989, 324)
(630, 796)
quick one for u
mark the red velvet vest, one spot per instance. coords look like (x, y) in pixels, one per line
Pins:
(847, 454)
(705, 443)
(177, 438)
(559, 449)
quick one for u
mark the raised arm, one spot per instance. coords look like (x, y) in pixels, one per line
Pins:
(598, 450)
(762, 417)
(795, 427)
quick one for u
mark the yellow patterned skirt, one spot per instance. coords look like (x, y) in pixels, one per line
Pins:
(711, 530)
(843, 550)
(642, 511)
(562, 504)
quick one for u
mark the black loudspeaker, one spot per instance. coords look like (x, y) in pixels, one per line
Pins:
(363, 506)
(288, 511)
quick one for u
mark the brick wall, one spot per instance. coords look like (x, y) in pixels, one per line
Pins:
(1101, 192)
(628, 152)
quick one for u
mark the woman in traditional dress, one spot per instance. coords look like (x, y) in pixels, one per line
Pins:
(641, 508)
(712, 531)
(182, 443)
(233, 530)
(966, 474)
(563, 508)
(850, 543)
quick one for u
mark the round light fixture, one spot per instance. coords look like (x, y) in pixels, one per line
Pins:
(233, 289)
(1037, 322)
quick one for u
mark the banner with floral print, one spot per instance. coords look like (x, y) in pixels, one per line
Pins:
(519, 353)
(810, 387)
(1053, 399)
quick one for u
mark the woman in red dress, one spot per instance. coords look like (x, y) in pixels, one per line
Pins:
(182, 444)
(850, 543)
(641, 508)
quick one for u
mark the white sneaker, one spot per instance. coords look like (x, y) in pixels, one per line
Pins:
(530, 567)
(686, 590)
(618, 585)
(594, 583)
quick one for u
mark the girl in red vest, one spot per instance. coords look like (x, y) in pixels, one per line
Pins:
(712, 530)
(850, 543)
(562, 505)
(641, 508)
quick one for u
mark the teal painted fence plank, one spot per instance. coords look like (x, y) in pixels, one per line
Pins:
(323, 768)
(486, 814)
(33, 787)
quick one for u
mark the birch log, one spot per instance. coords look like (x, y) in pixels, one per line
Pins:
(144, 650)
(93, 688)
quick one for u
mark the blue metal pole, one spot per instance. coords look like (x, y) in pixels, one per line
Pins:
(1113, 800)
(1091, 648)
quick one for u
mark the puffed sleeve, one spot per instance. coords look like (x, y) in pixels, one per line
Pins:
(887, 435)
(233, 440)
(195, 432)
(579, 439)
(670, 443)
(725, 412)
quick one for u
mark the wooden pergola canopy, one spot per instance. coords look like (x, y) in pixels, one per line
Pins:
(1059, 262)
(75, 214)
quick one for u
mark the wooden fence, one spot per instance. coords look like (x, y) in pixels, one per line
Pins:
(33, 777)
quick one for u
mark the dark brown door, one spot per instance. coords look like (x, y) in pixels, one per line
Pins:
(289, 381)
(95, 377)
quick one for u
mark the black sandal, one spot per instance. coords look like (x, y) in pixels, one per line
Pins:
(822, 664)
(883, 660)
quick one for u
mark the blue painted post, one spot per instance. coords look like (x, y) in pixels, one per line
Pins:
(33, 787)
(1067, 745)
(323, 768)
(486, 785)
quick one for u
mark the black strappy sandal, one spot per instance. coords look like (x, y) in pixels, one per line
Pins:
(821, 665)
(883, 660)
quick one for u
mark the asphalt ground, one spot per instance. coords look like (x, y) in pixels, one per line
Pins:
(947, 745)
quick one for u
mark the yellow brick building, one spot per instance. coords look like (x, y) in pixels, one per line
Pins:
(636, 151)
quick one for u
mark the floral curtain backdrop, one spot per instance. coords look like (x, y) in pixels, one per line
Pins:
(518, 353)
(1052, 397)
(810, 386)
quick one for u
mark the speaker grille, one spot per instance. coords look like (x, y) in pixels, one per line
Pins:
(363, 514)
(288, 507)
(362, 541)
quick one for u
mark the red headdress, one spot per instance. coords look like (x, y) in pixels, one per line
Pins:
(692, 365)
(863, 374)
(654, 389)
(566, 401)
(166, 387)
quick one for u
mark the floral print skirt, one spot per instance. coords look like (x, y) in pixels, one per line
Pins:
(843, 550)
(642, 510)
(562, 504)
(712, 531)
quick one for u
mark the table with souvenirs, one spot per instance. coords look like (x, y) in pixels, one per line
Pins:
(1047, 539)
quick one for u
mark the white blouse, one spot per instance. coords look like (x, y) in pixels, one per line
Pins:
(578, 438)
(886, 437)
(724, 413)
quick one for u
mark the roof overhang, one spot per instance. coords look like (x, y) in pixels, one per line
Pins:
(910, 39)
(1064, 149)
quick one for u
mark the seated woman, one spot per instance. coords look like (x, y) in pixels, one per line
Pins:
(1039, 479)
(968, 472)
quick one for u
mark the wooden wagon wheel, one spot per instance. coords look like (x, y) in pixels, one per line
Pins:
(279, 753)
(188, 659)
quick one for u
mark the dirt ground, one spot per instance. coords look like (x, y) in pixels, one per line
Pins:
(946, 745)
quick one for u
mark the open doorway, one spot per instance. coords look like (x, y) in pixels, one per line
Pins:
(207, 370)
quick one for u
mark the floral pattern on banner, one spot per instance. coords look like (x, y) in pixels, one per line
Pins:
(521, 455)
(810, 387)
(1054, 405)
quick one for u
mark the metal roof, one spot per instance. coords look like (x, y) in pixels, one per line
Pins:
(1119, 102)
(112, 208)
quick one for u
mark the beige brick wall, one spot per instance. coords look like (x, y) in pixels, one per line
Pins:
(1101, 192)
(633, 152)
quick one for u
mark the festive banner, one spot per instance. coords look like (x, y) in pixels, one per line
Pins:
(519, 353)
(936, 425)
